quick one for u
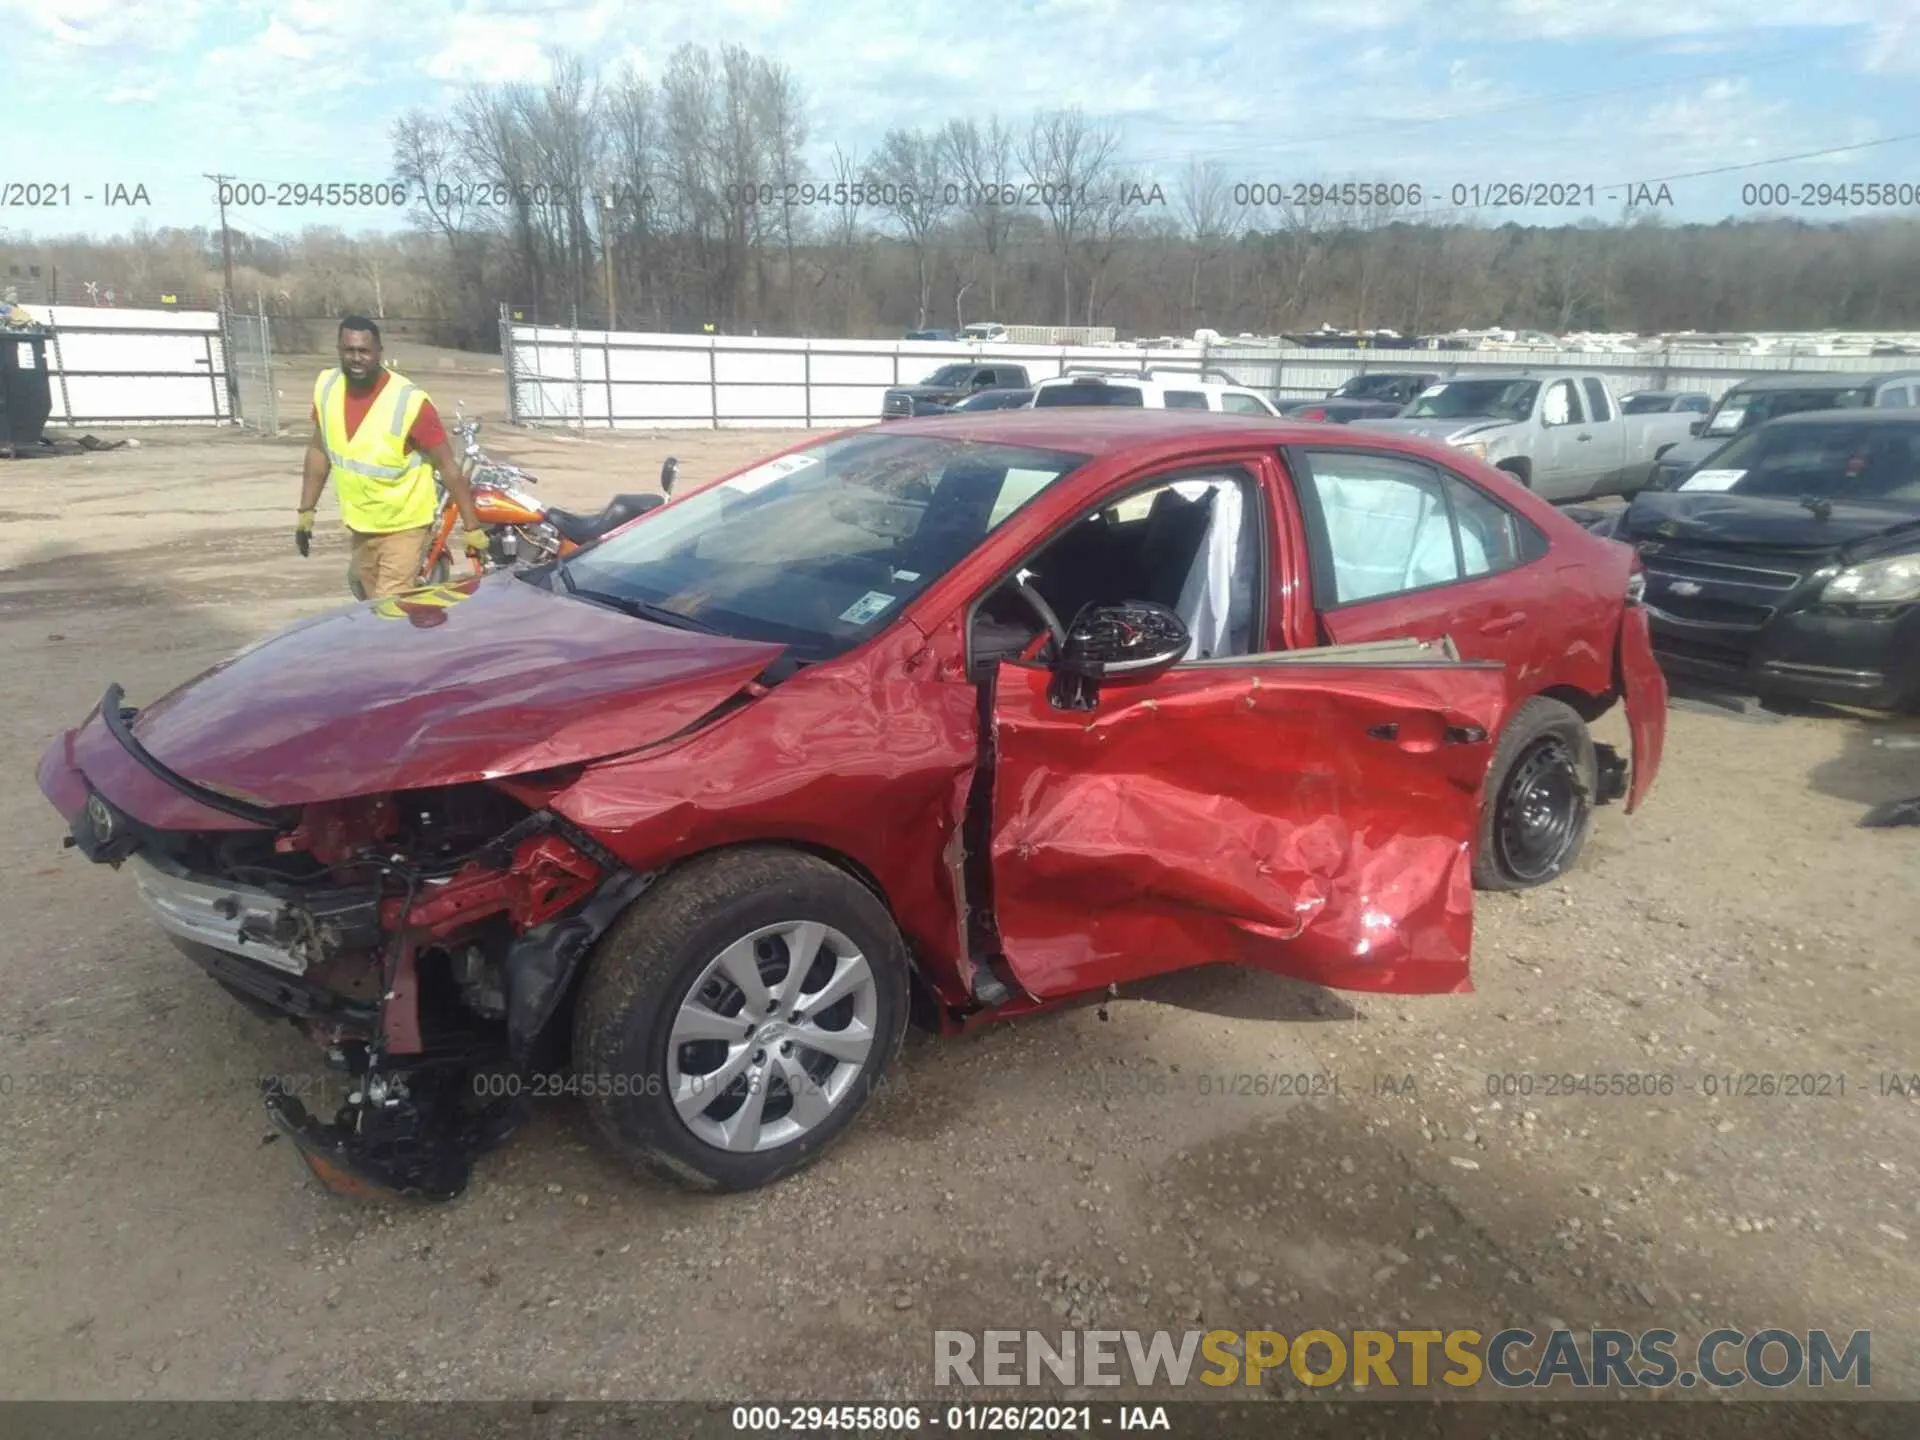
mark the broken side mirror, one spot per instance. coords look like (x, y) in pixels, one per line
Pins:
(1116, 644)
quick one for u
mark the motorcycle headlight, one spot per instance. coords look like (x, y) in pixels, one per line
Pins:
(1876, 582)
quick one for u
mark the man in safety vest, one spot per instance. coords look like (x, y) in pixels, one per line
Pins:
(378, 436)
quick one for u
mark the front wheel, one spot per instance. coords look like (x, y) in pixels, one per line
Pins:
(739, 1017)
(1539, 801)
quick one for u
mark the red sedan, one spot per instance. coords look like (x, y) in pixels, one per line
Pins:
(967, 715)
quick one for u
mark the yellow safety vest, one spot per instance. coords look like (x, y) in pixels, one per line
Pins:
(382, 487)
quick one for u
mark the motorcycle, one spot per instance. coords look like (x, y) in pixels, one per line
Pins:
(521, 528)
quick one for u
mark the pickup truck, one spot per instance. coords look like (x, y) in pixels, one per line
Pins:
(948, 386)
(1561, 433)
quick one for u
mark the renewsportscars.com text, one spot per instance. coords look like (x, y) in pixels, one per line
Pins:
(1364, 1359)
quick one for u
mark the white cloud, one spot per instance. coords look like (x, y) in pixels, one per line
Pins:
(103, 24)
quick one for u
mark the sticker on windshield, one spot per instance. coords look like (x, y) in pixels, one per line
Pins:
(1430, 392)
(866, 607)
(1712, 480)
(762, 476)
(1728, 419)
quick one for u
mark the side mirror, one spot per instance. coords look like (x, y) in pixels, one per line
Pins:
(669, 472)
(1696, 427)
(1135, 641)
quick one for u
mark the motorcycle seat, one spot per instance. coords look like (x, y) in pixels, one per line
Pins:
(581, 529)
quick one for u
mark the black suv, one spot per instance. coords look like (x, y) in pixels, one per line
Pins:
(1760, 398)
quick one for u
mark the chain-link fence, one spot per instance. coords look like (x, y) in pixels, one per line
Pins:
(250, 371)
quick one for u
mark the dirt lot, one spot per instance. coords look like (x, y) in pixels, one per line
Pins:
(1065, 1170)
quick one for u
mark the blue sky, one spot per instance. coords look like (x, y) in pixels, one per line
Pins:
(155, 92)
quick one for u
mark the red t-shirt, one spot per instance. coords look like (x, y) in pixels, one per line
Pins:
(427, 429)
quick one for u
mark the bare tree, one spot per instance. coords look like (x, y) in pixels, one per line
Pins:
(985, 180)
(783, 121)
(1067, 160)
(910, 178)
(844, 226)
(1211, 217)
(1114, 214)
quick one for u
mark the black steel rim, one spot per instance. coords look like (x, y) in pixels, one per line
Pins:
(1543, 807)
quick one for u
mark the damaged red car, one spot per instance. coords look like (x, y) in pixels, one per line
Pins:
(954, 721)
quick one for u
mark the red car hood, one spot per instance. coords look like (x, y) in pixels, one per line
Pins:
(462, 682)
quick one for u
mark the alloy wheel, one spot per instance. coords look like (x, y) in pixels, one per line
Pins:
(772, 1036)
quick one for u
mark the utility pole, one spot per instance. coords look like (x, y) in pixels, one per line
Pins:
(606, 249)
(220, 183)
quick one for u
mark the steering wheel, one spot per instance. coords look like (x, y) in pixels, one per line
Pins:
(1023, 587)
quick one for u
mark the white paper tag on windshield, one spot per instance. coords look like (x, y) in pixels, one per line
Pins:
(762, 476)
(866, 607)
(1430, 392)
(1712, 480)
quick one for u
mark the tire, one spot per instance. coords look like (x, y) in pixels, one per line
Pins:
(668, 952)
(1519, 470)
(1545, 762)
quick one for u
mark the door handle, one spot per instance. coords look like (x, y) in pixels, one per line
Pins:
(1501, 624)
(1583, 437)
(1453, 735)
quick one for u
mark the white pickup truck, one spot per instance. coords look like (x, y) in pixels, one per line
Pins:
(1560, 433)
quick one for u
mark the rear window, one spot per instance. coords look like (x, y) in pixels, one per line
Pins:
(1186, 400)
(1085, 393)
(1743, 409)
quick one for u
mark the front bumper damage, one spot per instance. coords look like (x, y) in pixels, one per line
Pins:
(417, 978)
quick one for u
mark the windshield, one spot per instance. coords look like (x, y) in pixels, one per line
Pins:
(1743, 409)
(1843, 460)
(821, 547)
(950, 375)
(1457, 399)
(1371, 387)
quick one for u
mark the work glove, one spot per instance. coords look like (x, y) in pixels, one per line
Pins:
(303, 532)
(477, 544)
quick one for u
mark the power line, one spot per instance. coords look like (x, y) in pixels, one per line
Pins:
(1777, 160)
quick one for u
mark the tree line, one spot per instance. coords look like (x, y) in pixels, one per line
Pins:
(691, 201)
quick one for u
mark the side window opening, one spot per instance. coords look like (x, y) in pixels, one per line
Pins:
(1192, 544)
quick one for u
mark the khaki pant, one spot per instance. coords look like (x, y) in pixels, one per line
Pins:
(387, 564)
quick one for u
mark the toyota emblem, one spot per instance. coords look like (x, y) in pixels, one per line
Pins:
(101, 816)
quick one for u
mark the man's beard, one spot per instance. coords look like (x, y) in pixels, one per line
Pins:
(361, 382)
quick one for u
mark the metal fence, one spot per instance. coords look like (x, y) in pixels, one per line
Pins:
(136, 367)
(250, 371)
(563, 375)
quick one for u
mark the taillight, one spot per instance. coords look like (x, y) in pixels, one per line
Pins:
(1636, 586)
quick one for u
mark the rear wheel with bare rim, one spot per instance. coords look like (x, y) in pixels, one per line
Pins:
(739, 1017)
(1539, 798)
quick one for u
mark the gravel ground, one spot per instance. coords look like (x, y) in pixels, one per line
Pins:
(1066, 1170)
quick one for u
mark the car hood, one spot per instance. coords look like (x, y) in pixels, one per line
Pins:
(1449, 430)
(1692, 451)
(1721, 518)
(456, 683)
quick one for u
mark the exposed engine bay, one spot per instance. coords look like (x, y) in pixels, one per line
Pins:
(421, 940)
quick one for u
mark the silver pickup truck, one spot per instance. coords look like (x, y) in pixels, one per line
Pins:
(1560, 433)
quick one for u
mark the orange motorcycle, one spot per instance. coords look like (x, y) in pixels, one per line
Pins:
(521, 528)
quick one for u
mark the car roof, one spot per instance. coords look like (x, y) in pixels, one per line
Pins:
(1824, 379)
(1886, 415)
(1100, 430)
